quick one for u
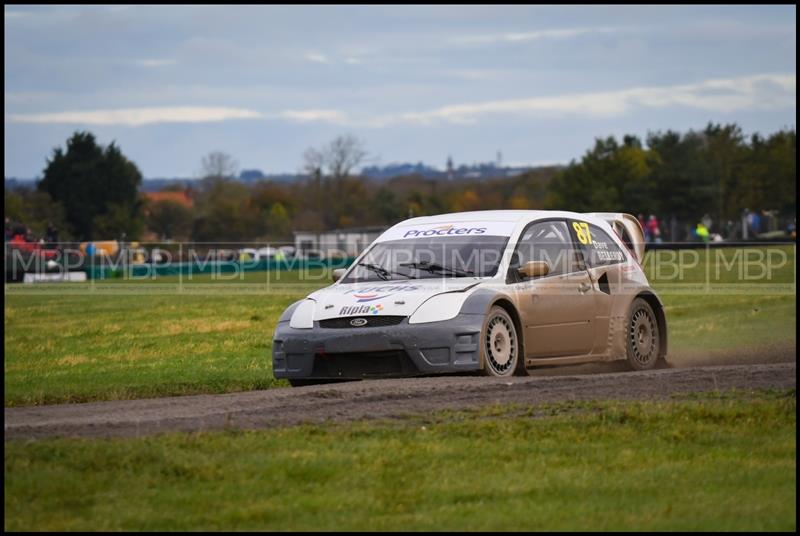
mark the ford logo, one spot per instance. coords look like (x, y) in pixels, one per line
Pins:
(358, 322)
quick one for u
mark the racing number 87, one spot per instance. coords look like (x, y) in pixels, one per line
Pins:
(582, 232)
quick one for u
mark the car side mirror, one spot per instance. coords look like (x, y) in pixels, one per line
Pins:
(534, 269)
(338, 273)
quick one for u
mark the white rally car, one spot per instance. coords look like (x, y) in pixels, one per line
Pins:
(497, 291)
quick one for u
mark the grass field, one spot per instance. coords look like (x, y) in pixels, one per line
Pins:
(719, 461)
(714, 461)
(118, 339)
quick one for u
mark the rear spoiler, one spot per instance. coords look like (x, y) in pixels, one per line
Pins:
(628, 228)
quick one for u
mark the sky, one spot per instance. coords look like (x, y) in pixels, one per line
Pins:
(169, 84)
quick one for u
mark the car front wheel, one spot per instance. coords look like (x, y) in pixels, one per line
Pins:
(500, 344)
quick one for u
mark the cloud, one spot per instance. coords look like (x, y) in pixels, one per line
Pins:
(185, 114)
(15, 14)
(307, 116)
(519, 37)
(156, 62)
(317, 57)
(724, 95)
(139, 116)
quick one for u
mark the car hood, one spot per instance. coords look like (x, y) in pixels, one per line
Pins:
(383, 298)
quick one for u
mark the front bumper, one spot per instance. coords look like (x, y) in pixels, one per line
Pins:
(370, 352)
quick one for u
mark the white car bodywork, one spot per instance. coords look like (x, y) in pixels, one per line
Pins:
(574, 317)
(417, 299)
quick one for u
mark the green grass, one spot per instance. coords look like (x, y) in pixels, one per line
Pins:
(118, 339)
(725, 462)
(703, 323)
(121, 339)
(726, 300)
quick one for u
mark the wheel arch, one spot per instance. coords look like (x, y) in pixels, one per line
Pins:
(658, 309)
(506, 304)
(482, 302)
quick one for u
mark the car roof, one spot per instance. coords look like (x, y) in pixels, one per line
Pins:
(512, 220)
(497, 215)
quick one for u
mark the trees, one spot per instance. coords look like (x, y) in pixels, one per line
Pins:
(98, 188)
(224, 208)
(169, 219)
(698, 172)
(117, 222)
(223, 211)
(35, 209)
(218, 165)
(343, 155)
(591, 184)
(769, 174)
(726, 153)
(328, 169)
(713, 171)
(678, 175)
(278, 222)
(336, 159)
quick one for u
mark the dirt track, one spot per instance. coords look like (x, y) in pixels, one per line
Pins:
(377, 399)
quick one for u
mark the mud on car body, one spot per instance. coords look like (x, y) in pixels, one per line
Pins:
(493, 291)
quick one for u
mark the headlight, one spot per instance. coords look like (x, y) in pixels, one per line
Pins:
(440, 307)
(303, 317)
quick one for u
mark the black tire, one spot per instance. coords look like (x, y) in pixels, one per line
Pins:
(302, 382)
(499, 344)
(643, 338)
(294, 382)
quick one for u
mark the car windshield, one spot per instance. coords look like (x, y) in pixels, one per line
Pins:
(425, 258)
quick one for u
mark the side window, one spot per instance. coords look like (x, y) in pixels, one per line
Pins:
(547, 241)
(597, 247)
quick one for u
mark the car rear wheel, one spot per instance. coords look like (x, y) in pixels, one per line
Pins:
(500, 344)
(643, 337)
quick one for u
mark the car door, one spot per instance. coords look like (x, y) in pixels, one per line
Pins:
(604, 261)
(555, 309)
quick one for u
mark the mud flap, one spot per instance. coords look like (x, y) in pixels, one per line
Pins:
(617, 338)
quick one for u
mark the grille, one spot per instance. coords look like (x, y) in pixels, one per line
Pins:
(372, 321)
(363, 365)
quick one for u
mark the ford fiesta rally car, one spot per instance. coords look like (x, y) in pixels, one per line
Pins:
(493, 291)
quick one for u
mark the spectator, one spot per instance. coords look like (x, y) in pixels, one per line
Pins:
(730, 230)
(769, 221)
(707, 221)
(701, 232)
(754, 222)
(22, 239)
(653, 229)
(51, 235)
